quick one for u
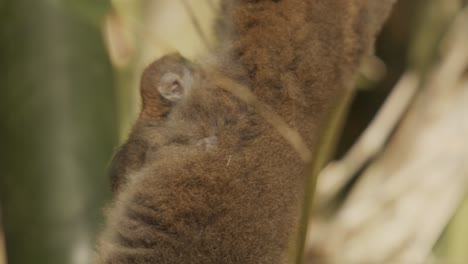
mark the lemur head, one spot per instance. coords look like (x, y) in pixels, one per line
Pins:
(164, 83)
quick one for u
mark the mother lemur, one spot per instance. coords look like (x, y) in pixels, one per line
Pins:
(205, 176)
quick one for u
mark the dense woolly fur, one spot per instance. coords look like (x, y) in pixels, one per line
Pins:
(239, 201)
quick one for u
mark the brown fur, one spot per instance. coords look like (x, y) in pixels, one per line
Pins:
(132, 155)
(239, 201)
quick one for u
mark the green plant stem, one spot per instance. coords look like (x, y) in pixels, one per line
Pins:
(328, 142)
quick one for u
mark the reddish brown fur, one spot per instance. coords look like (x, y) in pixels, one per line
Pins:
(132, 155)
(238, 202)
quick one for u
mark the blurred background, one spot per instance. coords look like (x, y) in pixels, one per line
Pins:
(395, 155)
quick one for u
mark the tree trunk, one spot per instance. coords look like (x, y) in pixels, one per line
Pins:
(57, 129)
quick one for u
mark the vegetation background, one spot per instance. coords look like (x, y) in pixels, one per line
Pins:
(69, 74)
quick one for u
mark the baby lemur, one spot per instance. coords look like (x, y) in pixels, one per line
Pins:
(203, 177)
(164, 84)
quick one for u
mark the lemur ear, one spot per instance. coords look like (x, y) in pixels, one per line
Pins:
(175, 84)
(363, 20)
(378, 12)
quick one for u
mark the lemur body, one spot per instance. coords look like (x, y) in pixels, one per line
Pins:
(195, 198)
(203, 177)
